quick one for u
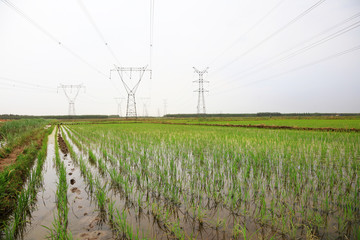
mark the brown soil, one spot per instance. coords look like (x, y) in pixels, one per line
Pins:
(11, 158)
(64, 149)
(92, 235)
(75, 190)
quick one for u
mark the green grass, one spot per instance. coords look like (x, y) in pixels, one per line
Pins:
(17, 200)
(16, 133)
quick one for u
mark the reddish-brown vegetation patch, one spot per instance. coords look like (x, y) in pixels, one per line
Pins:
(325, 129)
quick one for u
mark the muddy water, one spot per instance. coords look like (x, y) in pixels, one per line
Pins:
(84, 221)
(46, 202)
(144, 223)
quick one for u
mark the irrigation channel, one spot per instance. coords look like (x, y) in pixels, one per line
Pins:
(82, 218)
(131, 181)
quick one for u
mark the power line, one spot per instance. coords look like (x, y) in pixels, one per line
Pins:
(294, 20)
(97, 30)
(16, 85)
(26, 83)
(239, 39)
(339, 54)
(52, 37)
(151, 39)
(246, 33)
(283, 58)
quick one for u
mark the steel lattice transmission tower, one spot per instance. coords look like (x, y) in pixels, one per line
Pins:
(201, 98)
(71, 93)
(131, 101)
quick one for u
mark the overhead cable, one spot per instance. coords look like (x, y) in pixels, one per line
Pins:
(281, 29)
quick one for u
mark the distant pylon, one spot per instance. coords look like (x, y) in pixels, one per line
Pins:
(201, 98)
(145, 105)
(119, 102)
(131, 101)
(165, 107)
(68, 90)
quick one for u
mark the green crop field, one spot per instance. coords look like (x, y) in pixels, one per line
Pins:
(194, 180)
(160, 181)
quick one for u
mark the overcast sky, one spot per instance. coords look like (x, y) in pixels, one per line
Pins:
(263, 55)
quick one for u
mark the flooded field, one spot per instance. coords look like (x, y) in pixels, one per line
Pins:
(135, 181)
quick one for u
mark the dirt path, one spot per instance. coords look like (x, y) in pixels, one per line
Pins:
(11, 158)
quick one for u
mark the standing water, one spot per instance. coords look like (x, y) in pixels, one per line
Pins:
(43, 215)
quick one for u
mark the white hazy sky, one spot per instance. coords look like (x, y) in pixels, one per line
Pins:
(239, 40)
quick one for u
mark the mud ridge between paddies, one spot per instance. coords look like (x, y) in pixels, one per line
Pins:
(64, 149)
(324, 129)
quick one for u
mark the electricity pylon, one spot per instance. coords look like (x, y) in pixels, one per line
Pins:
(131, 101)
(71, 93)
(119, 102)
(165, 106)
(201, 99)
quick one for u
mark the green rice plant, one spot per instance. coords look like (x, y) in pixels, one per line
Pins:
(101, 195)
(92, 158)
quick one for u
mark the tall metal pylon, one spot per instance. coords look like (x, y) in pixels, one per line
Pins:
(131, 101)
(119, 102)
(71, 93)
(201, 98)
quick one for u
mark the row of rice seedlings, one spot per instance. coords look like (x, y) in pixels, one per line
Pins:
(27, 197)
(60, 223)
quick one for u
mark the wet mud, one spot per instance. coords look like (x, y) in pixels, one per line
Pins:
(62, 145)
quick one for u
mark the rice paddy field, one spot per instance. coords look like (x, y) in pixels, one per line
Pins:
(162, 181)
